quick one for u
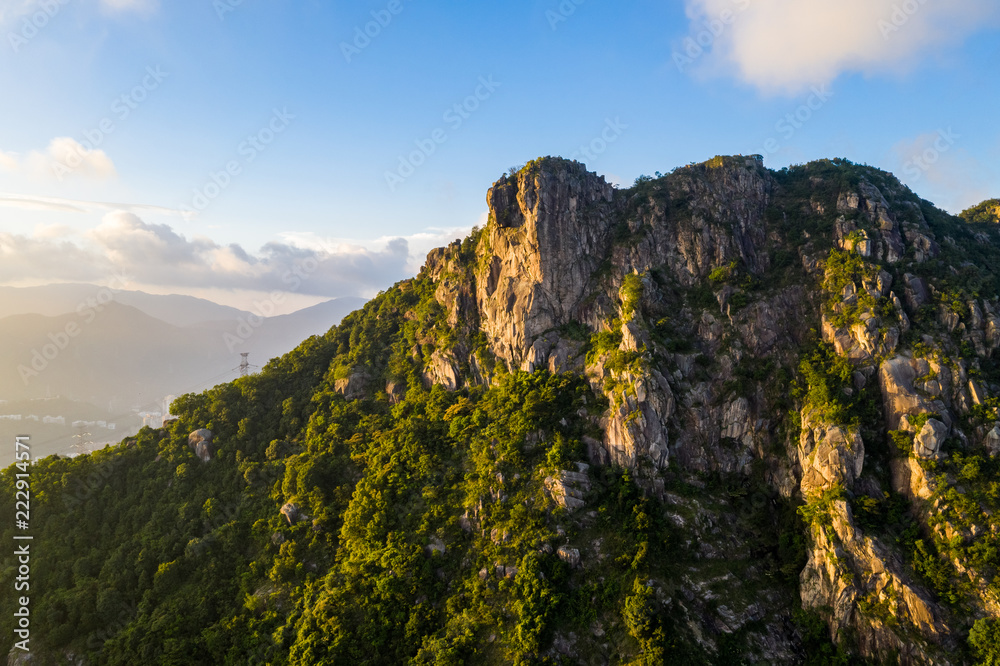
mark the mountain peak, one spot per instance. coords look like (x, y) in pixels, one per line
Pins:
(785, 385)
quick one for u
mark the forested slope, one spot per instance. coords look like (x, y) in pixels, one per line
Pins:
(728, 415)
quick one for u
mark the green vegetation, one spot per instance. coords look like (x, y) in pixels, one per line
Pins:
(985, 641)
(817, 510)
(723, 274)
(631, 293)
(987, 212)
(424, 529)
(826, 379)
(405, 513)
(844, 270)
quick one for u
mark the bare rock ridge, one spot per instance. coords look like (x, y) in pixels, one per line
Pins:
(688, 301)
(550, 232)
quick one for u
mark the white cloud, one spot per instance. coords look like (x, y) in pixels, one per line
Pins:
(23, 258)
(159, 256)
(418, 244)
(64, 157)
(59, 204)
(67, 157)
(8, 161)
(788, 45)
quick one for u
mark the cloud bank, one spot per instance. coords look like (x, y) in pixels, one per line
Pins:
(785, 46)
(157, 255)
(64, 157)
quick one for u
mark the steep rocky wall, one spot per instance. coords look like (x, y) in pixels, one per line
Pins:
(688, 301)
(550, 225)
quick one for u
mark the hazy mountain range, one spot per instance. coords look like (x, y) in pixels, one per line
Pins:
(109, 359)
(66, 340)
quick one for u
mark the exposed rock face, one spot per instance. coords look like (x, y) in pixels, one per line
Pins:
(927, 443)
(568, 488)
(396, 391)
(830, 456)
(435, 547)
(909, 479)
(993, 441)
(442, 368)
(636, 428)
(552, 227)
(570, 556)
(555, 354)
(846, 567)
(896, 380)
(917, 294)
(688, 381)
(290, 512)
(200, 442)
(355, 386)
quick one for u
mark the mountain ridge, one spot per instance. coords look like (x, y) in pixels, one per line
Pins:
(784, 385)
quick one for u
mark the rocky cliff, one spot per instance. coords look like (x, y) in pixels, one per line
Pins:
(728, 415)
(820, 327)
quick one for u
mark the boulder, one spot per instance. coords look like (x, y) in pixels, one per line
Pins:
(567, 489)
(898, 394)
(829, 455)
(290, 512)
(570, 556)
(200, 442)
(993, 441)
(916, 292)
(354, 386)
(442, 368)
(927, 443)
(396, 391)
(909, 478)
(435, 547)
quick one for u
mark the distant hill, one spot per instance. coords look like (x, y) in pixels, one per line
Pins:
(117, 354)
(122, 355)
(56, 299)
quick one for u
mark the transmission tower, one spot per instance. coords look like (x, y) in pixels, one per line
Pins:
(245, 364)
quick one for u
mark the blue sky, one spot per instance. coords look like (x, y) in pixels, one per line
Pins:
(308, 119)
